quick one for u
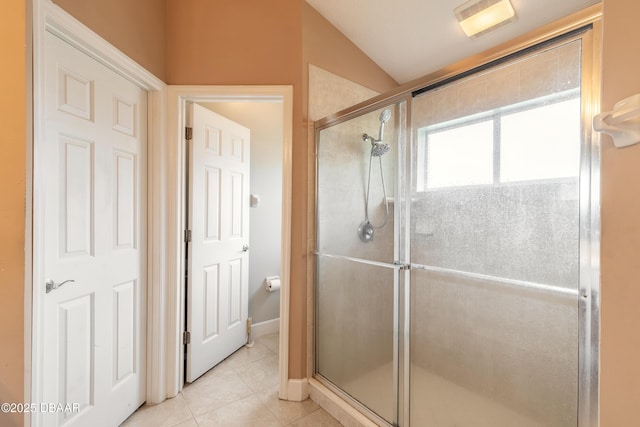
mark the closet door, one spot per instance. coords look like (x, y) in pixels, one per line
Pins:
(94, 241)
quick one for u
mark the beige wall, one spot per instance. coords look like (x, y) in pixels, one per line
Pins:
(234, 42)
(620, 258)
(12, 208)
(137, 28)
(620, 380)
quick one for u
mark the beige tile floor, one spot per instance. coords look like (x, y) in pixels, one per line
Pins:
(242, 391)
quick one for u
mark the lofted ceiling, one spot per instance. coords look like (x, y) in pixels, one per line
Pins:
(411, 38)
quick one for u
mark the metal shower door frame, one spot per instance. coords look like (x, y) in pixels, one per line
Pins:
(587, 294)
(585, 26)
(400, 256)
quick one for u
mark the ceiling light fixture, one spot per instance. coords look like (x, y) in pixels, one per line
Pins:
(476, 17)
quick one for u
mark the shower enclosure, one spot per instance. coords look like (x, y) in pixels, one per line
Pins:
(455, 235)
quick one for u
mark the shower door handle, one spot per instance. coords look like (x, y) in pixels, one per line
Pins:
(401, 265)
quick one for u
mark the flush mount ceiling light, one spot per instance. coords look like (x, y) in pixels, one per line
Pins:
(476, 17)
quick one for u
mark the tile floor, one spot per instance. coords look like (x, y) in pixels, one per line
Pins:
(241, 391)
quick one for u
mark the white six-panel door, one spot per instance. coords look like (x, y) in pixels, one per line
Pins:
(95, 192)
(218, 257)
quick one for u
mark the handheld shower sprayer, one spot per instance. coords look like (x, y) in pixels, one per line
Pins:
(384, 118)
(378, 149)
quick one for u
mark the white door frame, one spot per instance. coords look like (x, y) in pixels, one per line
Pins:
(47, 17)
(177, 98)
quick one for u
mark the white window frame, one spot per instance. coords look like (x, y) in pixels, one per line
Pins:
(495, 115)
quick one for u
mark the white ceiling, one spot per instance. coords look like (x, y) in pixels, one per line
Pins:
(412, 38)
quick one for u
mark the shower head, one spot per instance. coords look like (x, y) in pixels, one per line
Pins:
(379, 148)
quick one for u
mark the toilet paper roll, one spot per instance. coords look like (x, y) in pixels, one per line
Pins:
(272, 283)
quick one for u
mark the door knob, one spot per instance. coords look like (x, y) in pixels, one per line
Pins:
(245, 247)
(51, 285)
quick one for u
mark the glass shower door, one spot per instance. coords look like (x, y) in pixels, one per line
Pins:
(495, 239)
(357, 280)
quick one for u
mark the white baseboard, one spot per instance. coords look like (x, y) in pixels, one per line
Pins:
(297, 389)
(265, 328)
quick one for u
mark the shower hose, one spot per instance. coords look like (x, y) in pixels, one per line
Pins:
(384, 193)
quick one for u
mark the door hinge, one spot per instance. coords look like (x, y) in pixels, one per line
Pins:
(186, 337)
(187, 236)
(188, 133)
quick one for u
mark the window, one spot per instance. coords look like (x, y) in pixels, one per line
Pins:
(541, 143)
(534, 140)
(461, 156)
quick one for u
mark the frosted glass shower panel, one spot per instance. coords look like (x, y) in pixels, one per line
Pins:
(355, 331)
(485, 354)
(346, 170)
(495, 240)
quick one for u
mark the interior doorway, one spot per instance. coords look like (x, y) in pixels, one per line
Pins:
(246, 104)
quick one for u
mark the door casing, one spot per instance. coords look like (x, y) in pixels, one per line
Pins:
(177, 99)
